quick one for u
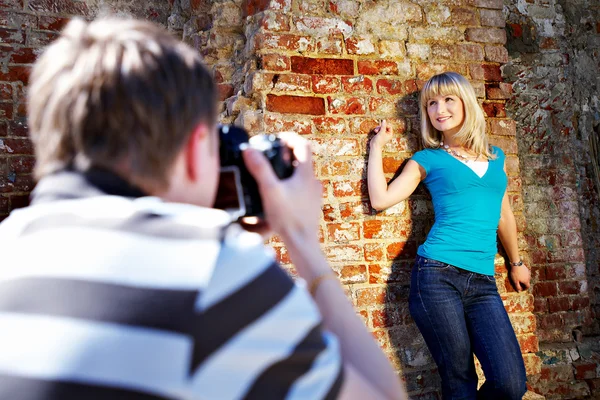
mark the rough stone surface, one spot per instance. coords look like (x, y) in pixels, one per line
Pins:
(331, 70)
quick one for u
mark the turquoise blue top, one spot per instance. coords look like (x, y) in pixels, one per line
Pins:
(467, 210)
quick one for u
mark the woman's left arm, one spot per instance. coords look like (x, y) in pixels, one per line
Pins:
(518, 275)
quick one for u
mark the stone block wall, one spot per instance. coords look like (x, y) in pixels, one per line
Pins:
(331, 70)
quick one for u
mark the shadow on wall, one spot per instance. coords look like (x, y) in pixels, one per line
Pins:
(411, 220)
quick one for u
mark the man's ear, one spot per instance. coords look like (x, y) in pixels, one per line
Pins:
(194, 150)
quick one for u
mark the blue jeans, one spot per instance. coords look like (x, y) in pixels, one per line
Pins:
(460, 313)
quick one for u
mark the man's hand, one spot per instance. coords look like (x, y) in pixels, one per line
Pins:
(519, 277)
(292, 206)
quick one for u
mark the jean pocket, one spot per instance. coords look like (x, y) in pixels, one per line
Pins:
(429, 263)
(489, 278)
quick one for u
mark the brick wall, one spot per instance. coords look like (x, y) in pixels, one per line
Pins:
(554, 60)
(330, 70)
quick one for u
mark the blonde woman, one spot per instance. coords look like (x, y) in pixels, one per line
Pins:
(453, 297)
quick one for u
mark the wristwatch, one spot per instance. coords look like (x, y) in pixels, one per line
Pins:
(516, 264)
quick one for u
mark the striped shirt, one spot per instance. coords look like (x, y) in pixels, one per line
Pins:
(109, 294)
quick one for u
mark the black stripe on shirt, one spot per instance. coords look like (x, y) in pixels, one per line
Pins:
(334, 392)
(22, 388)
(276, 381)
(140, 223)
(215, 326)
(164, 309)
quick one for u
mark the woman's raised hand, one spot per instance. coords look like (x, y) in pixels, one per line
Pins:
(384, 133)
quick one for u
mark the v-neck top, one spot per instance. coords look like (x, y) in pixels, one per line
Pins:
(467, 210)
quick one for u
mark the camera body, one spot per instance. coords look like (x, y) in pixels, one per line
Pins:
(238, 191)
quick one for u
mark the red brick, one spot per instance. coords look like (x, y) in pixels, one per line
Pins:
(23, 183)
(529, 343)
(11, 4)
(545, 289)
(554, 272)
(23, 55)
(12, 36)
(274, 62)
(325, 84)
(359, 45)
(363, 126)
(3, 205)
(464, 16)
(293, 83)
(402, 250)
(486, 35)
(224, 91)
(296, 104)
(556, 304)
(6, 92)
(329, 45)
(348, 106)
(549, 44)
(388, 317)
(6, 110)
(18, 128)
(370, 296)
(469, 52)
(351, 274)
(391, 164)
(281, 255)
(494, 110)
(343, 253)
(329, 125)
(390, 86)
(488, 72)
(518, 304)
(580, 303)
(18, 201)
(550, 321)
(347, 188)
(354, 210)
(322, 66)
(337, 167)
(503, 127)
(343, 232)
(585, 370)
(357, 84)
(16, 146)
(265, 41)
(59, 7)
(16, 74)
(278, 123)
(12, 19)
(498, 91)
(569, 287)
(49, 23)
(374, 252)
(328, 213)
(3, 128)
(37, 38)
(276, 22)
(379, 67)
(493, 4)
(496, 54)
(388, 229)
(382, 106)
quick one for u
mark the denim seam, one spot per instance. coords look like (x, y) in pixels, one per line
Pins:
(487, 353)
(428, 317)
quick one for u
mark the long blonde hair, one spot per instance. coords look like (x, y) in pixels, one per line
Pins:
(472, 133)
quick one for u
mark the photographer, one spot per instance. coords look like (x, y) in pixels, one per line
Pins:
(132, 287)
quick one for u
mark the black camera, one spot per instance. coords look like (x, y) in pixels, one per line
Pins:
(238, 191)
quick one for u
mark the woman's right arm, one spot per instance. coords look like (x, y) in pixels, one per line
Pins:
(381, 195)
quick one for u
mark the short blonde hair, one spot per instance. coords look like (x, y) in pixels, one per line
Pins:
(117, 92)
(472, 133)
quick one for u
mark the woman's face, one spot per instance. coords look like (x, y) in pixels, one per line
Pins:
(446, 113)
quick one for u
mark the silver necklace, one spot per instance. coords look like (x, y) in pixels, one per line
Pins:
(456, 154)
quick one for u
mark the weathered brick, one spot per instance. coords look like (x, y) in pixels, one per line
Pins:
(279, 123)
(486, 35)
(556, 304)
(275, 22)
(15, 4)
(293, 83)
(528, 343)
(382, 107)
(494, 4)
(470, 52)
(12, 36)
(348, 106)
(585, 370)
(6, 110)
(498, 91)
(335, 147)
(322, 66)
(370, 296)
(388, 229)
(329, 125)
(503, 127)
(328, 45)
(50, 23)
(323, 84)
(545, 289)
(275, 62)
(378, 67)
(12, 19)
(21, 164)
(496, 54)
(278, 41)
(343, 253)
(343, 232)
(390, 86)
(72, 7)
(360, 45)
(296, 104)
(493, 18)
(488, 72)
(352, 274)
(402, 250)
(494, 109)
(357, 84)
(570, 287)
(464, 16)
(322, 26)
(23, 55)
